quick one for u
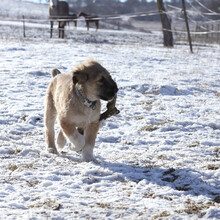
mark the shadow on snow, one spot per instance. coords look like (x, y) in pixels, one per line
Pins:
(186, 180)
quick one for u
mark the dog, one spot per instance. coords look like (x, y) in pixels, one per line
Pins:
(74, 99)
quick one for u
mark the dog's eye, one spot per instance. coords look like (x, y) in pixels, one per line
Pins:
(102, 80)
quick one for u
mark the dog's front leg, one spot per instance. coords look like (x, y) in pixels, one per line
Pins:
(90, 136)
(73, 135)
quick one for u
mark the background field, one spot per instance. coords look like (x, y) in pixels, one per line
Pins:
(157, 159)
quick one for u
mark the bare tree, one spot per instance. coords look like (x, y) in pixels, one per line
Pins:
(166, 25)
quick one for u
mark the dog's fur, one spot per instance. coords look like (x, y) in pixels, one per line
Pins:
(94, 83)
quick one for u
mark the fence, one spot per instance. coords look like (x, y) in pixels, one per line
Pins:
(200, 32)
(211, 32)
(207, 31)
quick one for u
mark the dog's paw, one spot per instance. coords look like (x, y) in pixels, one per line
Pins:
(52, 151)
(87, 154)
(78, 142)
(88, 158)
(73, 148)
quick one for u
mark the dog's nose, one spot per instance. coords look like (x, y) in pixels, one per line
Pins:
(116, 89)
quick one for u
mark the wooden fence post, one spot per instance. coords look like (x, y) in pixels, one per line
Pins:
(218, 33)
(187, 26)
(24, 27)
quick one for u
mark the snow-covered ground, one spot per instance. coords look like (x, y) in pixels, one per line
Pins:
(159, 158)
(18, 8)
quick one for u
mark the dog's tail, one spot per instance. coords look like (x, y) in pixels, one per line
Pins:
(55, 72)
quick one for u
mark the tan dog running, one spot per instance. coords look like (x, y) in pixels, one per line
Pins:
(74, 99)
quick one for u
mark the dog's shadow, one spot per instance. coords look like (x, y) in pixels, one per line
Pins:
(185, 180)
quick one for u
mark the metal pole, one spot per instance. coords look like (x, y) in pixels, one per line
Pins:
(187, 26)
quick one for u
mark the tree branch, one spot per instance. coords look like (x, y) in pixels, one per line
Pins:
(111, 110)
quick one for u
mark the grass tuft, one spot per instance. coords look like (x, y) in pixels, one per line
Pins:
(162, 215)
(12, 168)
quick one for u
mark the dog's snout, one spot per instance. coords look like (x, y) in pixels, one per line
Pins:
(114, 86)
(109, 89)
(115, 89)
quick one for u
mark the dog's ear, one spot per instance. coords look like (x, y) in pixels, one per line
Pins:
(79, 77)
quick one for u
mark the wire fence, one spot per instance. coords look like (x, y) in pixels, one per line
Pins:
(202, 27)
(205, 29)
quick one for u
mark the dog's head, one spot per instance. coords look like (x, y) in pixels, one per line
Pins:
(95, 81)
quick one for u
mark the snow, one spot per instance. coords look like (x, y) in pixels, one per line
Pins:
(19, 8)
(159, 158)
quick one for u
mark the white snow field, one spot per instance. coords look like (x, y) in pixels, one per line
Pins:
(157, 159)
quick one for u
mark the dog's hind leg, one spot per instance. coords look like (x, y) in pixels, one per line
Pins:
(49, 121)
(61, 139)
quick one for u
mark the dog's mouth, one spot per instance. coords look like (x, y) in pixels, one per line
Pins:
(108, 89)
(107, 94)
(106, 98)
